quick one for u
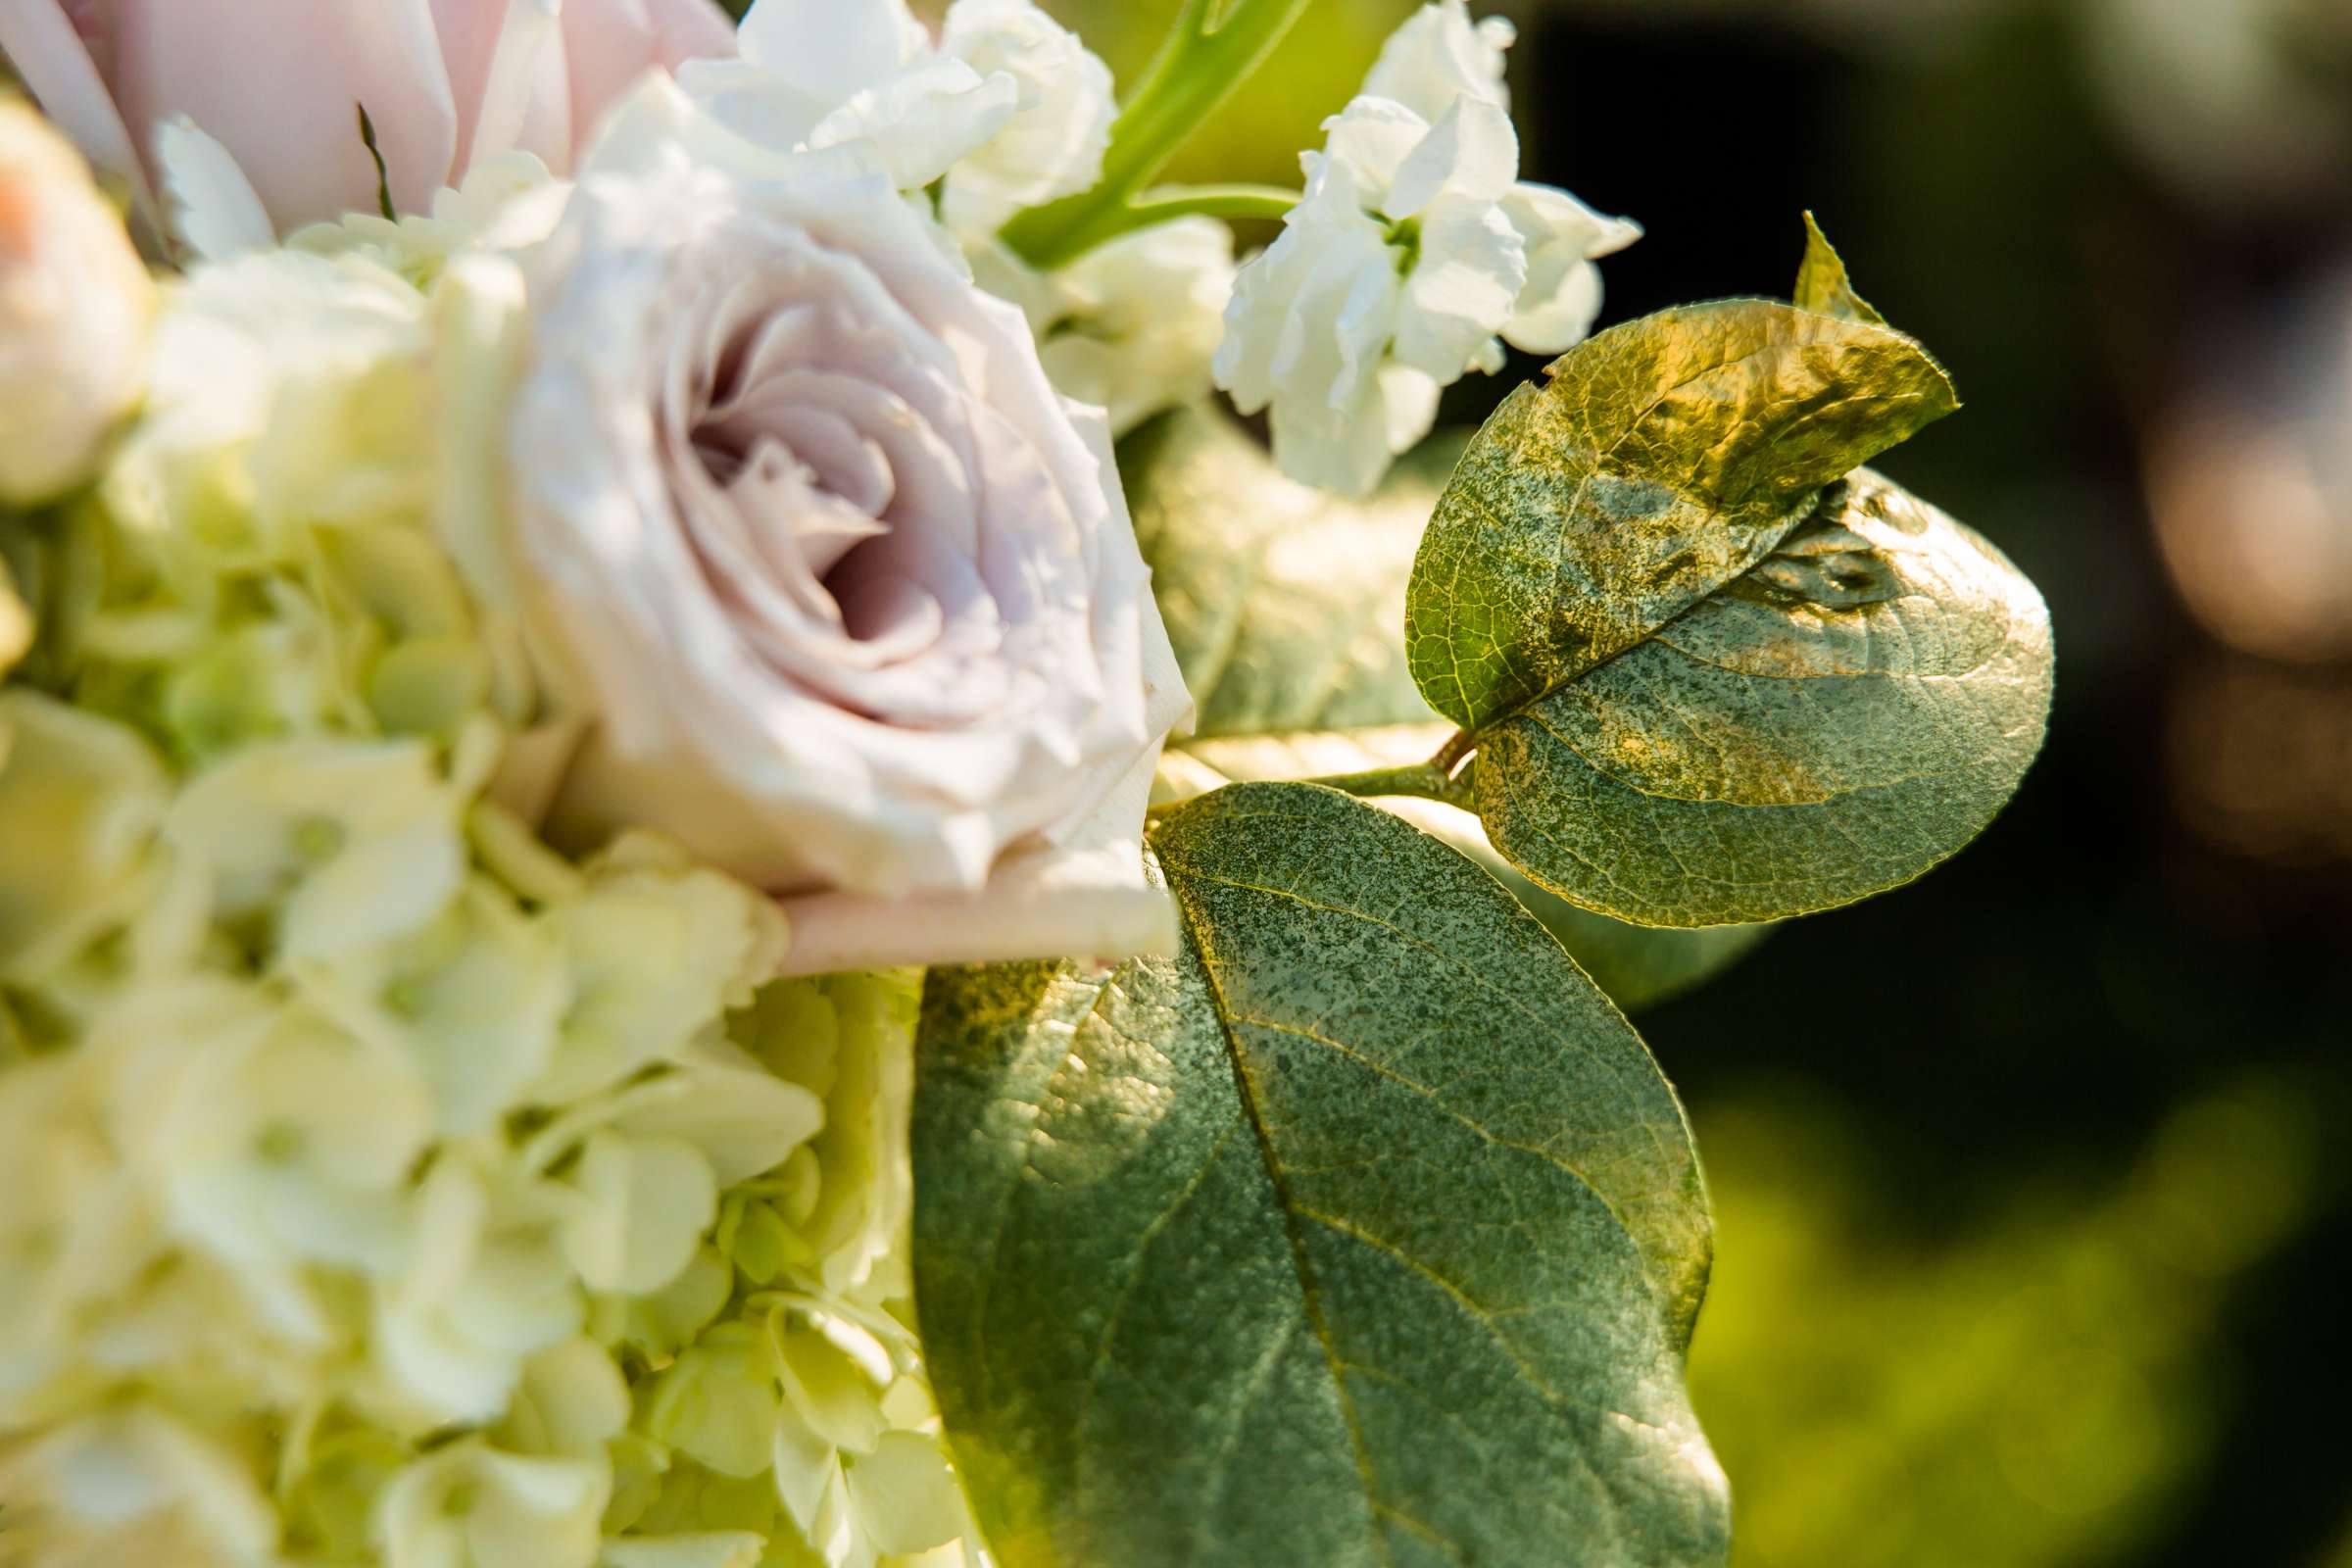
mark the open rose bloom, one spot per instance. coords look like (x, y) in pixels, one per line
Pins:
(555, 557)
(852, 588)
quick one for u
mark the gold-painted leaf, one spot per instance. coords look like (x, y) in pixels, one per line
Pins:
(1830, 725)
(1822, 285)
(1662, 458)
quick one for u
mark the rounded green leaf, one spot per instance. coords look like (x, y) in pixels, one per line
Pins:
(1364, 1233)
(1825, 727)
(1662, 458)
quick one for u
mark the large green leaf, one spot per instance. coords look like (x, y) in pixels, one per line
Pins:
(1828, 726)
(1287, 610)
(1364, 1234)
(1662, 458)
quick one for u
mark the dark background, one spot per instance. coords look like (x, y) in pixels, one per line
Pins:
(2112, 992)
(2032, 1178)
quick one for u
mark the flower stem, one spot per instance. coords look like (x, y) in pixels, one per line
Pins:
(1213, 48)
(1421, 779)
(1442, 779)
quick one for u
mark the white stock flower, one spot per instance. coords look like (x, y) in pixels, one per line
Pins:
(1439, 54)
(1390, 282)
(1008, 107)
(850, 591)
(1416, 250)
(1564, 238)
(74, 309)
(821, 73)
(1054, 144)
(1131, 325)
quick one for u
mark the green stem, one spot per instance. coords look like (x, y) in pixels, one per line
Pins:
(1205, 58)
(1165, 202)
(1422, 779)
(1442, 779)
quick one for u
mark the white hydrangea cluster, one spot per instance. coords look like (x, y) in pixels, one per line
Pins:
(375, 1184)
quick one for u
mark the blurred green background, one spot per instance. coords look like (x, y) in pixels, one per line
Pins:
(2031, 1179)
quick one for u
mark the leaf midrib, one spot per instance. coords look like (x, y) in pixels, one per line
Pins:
(1311, 1291)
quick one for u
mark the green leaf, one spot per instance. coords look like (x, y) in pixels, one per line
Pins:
(1709, 677)
(1828, 726)
(1285, 607)
(1822, 285)
(1285, 604)
(1663, 458)
(1637, 965)
(1364, 1233)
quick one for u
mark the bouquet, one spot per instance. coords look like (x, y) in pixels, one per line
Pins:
(701, 867)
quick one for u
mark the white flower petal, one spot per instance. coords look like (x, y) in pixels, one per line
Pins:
(1462, 291)
(213, 210)
(1439, 54)
(643, 1203)
(1368, 142)
(830, 45)
(1563, 238)
(922, 118)
(1054, 144)
(1470, 156)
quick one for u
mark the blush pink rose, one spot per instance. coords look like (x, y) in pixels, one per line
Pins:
(849, 592)
(281, 82)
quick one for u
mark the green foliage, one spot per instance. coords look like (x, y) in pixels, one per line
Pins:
(1712, 672)
(1283, 601)
(1828, 726)
(1662, 460)
(1363, 1232)
(1285, 604)
(2029, 1381)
